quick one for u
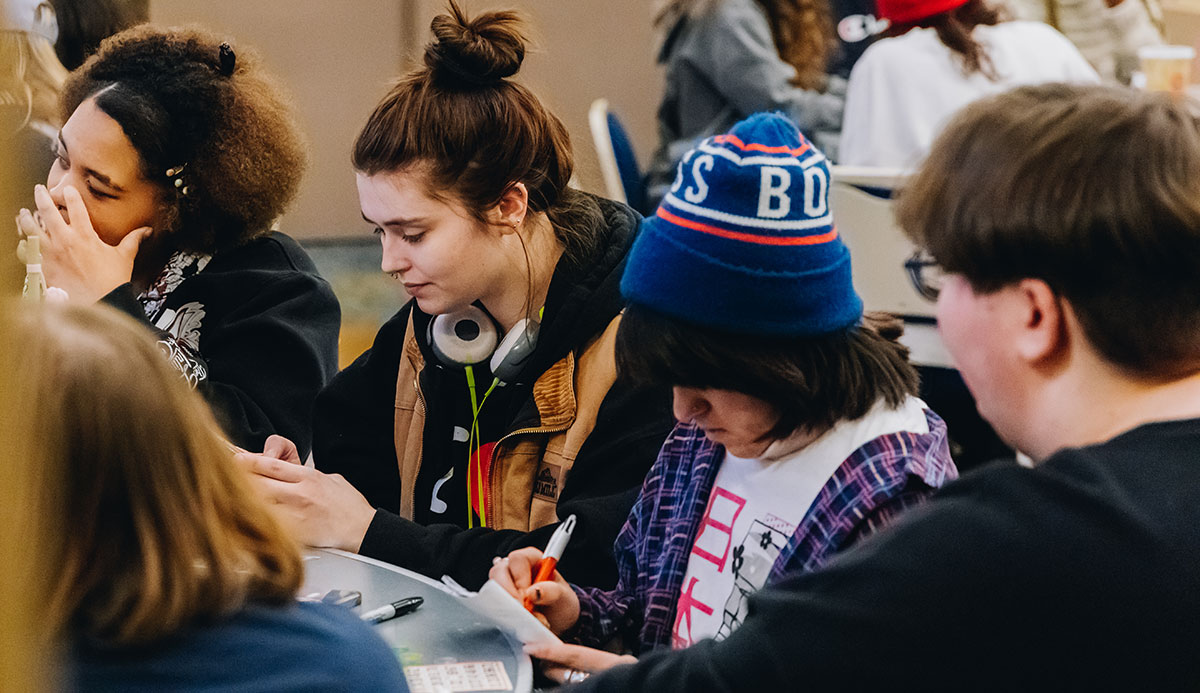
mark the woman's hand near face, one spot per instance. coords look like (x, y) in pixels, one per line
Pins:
(74, 258)
(554, 600)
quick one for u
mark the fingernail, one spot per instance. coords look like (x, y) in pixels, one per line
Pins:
(495, 560)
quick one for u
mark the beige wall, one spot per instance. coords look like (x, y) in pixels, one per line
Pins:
(337, 57)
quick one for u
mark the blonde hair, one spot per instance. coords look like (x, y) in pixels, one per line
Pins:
(31, 78)
(158, 529)
(24, 644)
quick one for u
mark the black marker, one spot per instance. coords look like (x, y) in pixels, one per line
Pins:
(390, 611)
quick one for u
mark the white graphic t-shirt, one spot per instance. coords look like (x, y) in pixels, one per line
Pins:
(755, 507)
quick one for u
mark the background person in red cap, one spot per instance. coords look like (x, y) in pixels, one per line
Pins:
(940, 55)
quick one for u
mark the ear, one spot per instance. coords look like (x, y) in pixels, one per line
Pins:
(1041, 320)
(511, 210)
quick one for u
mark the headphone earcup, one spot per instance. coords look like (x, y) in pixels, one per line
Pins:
(463, 338)
(514, 351)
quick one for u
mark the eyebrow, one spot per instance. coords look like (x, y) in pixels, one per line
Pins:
(397, 222)
(105, 180)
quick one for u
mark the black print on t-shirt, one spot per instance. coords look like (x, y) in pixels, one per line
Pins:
(752, 561)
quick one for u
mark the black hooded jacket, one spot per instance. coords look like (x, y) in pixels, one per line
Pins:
(354, 433)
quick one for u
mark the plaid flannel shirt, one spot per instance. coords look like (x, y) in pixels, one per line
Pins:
(875, 484)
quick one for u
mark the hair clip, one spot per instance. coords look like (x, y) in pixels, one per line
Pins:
(227, 59)
(174, 172)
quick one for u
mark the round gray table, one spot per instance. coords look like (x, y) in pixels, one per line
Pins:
(442, 632)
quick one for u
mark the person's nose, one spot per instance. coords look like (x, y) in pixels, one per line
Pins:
(56, 181)
(687, 403)
(396, 258)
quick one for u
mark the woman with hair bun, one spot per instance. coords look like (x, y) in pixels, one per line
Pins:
(177, 155)
(488, 408)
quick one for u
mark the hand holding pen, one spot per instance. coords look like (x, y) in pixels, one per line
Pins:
(529, 575)
(552, 555)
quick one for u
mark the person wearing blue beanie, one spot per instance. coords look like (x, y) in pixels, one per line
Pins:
(799, 431)
(744, 241)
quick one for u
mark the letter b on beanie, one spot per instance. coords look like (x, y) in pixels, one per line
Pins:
(744, 241)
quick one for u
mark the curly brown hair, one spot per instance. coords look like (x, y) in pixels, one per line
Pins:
(804, 36)
(185, 98)
(802, 31)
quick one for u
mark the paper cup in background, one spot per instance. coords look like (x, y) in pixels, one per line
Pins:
(1167, 68)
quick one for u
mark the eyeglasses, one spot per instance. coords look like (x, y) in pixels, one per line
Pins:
(926, 275)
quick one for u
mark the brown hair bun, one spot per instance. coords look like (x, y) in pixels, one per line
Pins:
(474, 53)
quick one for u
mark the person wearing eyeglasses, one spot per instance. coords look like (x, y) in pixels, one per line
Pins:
(1070, 305)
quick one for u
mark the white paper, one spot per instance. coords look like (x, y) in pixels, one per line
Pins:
(452, 678)
(500, 606)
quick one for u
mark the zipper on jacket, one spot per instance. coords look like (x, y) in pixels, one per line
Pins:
(491, 495)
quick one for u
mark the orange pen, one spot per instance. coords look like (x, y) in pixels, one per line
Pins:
(554, 551)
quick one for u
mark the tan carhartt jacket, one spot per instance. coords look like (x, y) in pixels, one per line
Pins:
(529, 465)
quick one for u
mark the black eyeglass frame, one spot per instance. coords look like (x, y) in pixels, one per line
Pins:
(916, 265)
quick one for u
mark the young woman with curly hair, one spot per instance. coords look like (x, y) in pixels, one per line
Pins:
(176, 157)
(162, 569)
(937, 57)
(727, 59)
(431, 451)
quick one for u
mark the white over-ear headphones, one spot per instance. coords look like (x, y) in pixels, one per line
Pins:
(464, 338)
(469, 336)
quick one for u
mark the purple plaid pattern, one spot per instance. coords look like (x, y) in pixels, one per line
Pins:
(867, 491)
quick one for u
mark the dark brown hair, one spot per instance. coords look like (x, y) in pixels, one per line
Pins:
(813, 382)
(474, 132)
(83, 24)
(955, 29)
(1094, 190)
(169, 91)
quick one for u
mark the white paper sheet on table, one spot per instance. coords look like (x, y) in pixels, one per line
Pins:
(458, 677)
(492, 601)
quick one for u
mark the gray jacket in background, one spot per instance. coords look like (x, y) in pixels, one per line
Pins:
(722, 66)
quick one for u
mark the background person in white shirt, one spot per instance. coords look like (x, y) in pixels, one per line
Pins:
(940, 55)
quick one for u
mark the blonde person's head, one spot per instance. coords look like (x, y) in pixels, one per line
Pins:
(157, 527)
(31, 78)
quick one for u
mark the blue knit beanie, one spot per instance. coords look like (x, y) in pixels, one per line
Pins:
(744, 241)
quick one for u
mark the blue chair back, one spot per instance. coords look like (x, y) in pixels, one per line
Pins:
(627, 165)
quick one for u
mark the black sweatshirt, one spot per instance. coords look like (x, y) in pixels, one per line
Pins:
(268, 332)
(354, 422)
(1080, 574)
